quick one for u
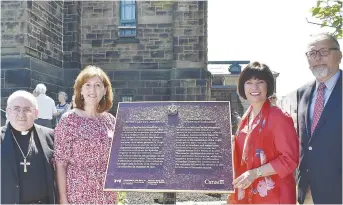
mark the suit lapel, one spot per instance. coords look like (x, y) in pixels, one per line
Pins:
(7, 150)
(48, 167)
(42, 140)
(333, 102)
(308, 97)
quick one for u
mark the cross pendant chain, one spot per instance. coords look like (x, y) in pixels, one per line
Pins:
(25, 163)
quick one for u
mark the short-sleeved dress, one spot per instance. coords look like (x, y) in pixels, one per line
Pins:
(84, 144)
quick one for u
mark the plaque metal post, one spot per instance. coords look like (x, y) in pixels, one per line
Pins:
(169, 198)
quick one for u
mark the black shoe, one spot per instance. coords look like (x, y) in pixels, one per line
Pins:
(214, 195)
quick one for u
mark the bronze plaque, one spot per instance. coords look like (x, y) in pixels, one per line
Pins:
(171, 147)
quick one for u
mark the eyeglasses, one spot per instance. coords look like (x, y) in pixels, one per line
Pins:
(323, 52)
(26, 110)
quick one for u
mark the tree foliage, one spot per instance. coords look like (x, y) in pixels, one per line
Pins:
(330, 14)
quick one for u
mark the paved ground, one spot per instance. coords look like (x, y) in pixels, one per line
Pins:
(181, 198)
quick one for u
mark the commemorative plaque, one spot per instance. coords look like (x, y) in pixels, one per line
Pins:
(171, 147)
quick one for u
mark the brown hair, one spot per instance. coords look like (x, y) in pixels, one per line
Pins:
(88, 72)
(259, 71)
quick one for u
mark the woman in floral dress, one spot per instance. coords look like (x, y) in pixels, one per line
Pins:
(265, 147)
(82, 141)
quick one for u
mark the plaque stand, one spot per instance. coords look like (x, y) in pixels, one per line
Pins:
(169, 198)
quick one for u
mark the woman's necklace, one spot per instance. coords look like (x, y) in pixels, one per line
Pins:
(24, 163)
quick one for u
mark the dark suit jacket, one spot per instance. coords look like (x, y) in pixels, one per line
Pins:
(9, 174)
(320, 166)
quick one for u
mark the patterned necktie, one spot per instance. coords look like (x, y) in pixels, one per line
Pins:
(318, 107)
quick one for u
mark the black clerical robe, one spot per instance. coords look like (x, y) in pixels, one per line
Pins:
(11, 190)
(33, 187)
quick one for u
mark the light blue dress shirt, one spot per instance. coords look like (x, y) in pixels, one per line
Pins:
(330, 84)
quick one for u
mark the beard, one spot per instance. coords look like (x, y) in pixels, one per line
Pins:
(320, 72)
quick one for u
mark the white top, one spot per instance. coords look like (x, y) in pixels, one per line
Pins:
(46, 107)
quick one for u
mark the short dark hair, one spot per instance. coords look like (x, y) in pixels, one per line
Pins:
(259, 71)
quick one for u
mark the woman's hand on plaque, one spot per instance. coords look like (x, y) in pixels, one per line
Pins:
(245, 180)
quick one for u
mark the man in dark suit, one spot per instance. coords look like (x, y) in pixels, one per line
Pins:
(27, 174)
(319, 124)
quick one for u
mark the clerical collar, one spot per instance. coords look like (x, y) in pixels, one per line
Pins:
(16, 132)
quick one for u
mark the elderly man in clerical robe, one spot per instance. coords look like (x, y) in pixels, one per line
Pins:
(27, 174)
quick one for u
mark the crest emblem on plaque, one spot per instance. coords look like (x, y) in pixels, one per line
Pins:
(172, 110)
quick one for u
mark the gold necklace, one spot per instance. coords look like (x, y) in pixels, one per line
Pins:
(24, 163)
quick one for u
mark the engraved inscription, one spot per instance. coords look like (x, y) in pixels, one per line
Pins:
(141, 147)
(198, 148)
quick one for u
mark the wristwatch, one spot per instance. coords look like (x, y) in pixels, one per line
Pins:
(259, 172)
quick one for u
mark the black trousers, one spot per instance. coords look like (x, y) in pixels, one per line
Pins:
(44, 200)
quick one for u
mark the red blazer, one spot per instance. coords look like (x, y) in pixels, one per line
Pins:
(275, 142)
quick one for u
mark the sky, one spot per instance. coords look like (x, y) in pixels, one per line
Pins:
(273, 32)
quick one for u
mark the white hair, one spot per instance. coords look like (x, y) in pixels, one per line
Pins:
(325, 36)
(23, 94)
(64, 94)
(40, 88)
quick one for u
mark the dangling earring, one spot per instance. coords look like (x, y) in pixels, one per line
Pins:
(82, 97)
(104, 98)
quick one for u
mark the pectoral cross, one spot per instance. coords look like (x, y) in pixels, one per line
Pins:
(25, 164)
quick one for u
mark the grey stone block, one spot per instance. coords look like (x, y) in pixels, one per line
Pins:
(126, 91)
(145, 91)
(125, 75)
(12, 62)
(119, 84)
(18, 78)
(161, 91)
(157, 54)
(155, 75)
(96, 43)
(186, 73)
(179, 90)
(194, 91)
(112, 54)
(137, 58)
(165, 97)
(144, 66)
(155, 83)
(175, 83)
(138, 98)
(153, 98)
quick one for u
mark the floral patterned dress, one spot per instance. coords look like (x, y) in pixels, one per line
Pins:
(84, 144)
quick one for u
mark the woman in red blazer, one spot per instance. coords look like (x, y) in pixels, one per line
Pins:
(265, 147)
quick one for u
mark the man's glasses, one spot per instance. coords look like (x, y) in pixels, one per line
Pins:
(323, 52)
(26, 110)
